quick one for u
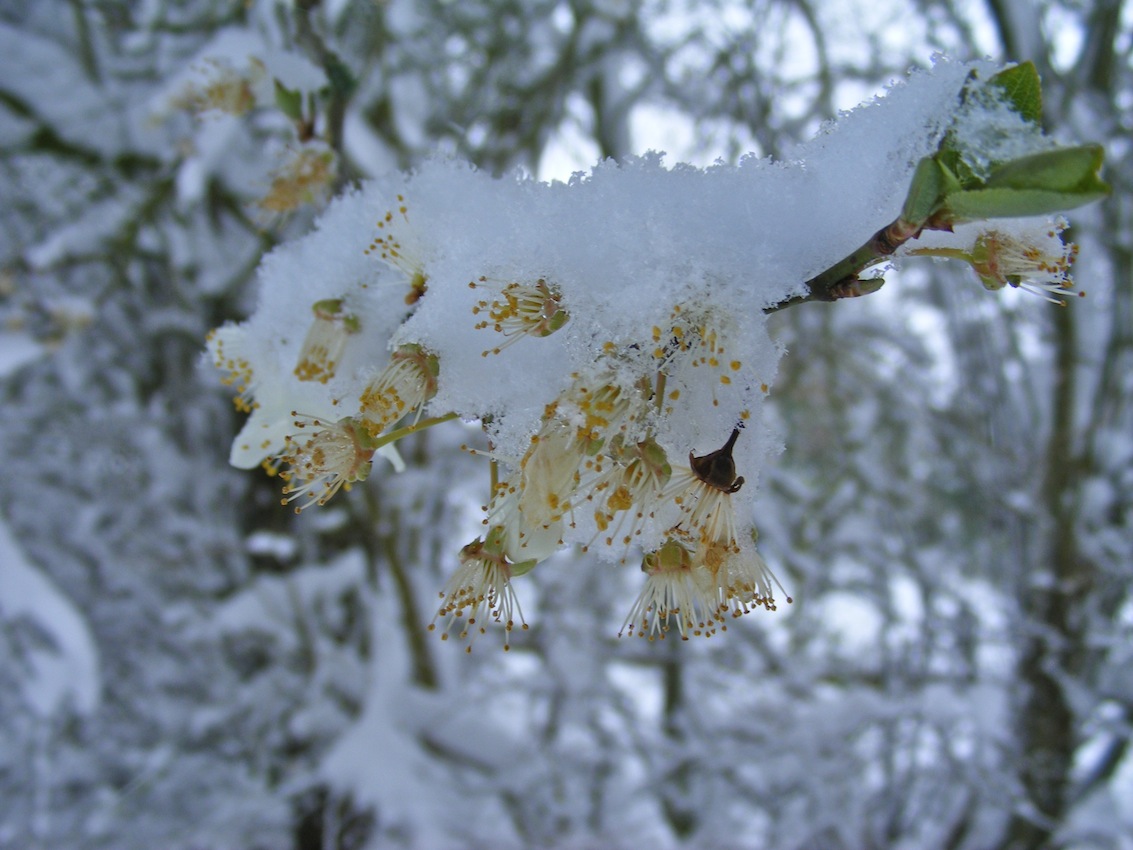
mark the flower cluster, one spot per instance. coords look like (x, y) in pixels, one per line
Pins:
(608, 335)
(391, 350)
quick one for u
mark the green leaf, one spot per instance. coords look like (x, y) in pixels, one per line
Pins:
(1021, 86)
(979, 204)
(1063, 169)
(289, 101)
(1039, 184)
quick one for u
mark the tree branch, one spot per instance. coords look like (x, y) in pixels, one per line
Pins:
(842, 279)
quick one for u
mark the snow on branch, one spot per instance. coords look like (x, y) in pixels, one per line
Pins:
(610, 336)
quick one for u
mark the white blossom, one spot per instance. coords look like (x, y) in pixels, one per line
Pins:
(599, 331)
(481, 590)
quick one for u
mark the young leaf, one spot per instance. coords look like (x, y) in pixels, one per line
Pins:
(1039, 184)
(981, 204)
(1071, 170)
(1021, 86)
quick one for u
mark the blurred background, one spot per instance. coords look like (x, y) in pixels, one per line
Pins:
(185, 664)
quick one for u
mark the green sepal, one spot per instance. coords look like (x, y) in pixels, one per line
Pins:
(328, 308)
(289, 101)
(556, 321)
(362, 434)
(495, 539)
(415, 351)
(869, 285)
(495, 544)
(1021, 86)
(522, 568)
(670, 558)
(655, 458)
(592, 445)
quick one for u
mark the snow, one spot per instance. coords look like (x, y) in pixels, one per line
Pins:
(304, 678)
(16, 349)
(77, 107)
(990, 130)
(67, 674)
(384, 757)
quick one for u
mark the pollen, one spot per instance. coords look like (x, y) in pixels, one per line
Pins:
(239, 371)
(743, 580)
(628, 489)
(695, 348)
(399, 247)
(225, 90)
(673, 595)
(306, 178)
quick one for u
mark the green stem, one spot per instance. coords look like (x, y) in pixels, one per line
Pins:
(394, 436)
(950, 253)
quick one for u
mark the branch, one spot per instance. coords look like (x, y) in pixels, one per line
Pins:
(946, 190)
(842, 279)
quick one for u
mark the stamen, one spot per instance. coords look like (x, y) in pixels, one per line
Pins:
(333, 455)
(520, 310)
(325, 341)
(403, 387)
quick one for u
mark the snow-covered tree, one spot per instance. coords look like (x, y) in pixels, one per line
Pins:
(190, 664)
